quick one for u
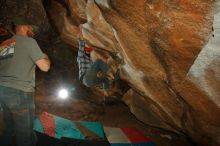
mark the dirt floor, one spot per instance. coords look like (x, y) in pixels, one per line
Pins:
(87, 106)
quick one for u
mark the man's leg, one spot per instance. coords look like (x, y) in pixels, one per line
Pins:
(19, 106)
(24, 119)
(7, 131)
(91, 79)
(8, 128)
(105, 83)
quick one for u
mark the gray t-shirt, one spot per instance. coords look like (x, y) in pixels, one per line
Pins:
(18, 70)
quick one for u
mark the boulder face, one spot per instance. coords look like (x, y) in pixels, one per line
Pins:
(167, 53)
(170, 59)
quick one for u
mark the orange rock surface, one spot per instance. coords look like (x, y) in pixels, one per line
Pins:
(170, 59)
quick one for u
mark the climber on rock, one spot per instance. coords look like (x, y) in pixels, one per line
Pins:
(92, 73)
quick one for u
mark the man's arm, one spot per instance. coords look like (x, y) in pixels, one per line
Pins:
(80, 35)
(43, 64)
(81, 41)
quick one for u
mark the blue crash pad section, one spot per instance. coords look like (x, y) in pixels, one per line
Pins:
(95, 127)
(131, 144)
(38, 126)
(63, 128)
(68, 129)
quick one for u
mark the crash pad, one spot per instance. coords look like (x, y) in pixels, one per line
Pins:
(59, 127)
(127, 137)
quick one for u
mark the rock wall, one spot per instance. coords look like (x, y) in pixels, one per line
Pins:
(167, 52)
(170, 57)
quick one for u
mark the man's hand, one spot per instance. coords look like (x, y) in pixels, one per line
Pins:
(43, 64)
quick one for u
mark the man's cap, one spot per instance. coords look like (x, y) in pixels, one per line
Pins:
(23, 21)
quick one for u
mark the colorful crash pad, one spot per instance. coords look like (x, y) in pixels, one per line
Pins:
(58, 127)
(127, 137)
(45, 140)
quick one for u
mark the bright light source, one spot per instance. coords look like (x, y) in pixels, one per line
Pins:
(63, 93)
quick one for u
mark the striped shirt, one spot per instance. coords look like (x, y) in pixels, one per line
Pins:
(83, 60)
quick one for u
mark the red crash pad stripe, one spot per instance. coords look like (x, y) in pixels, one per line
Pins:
(135, 136)
(48, 123)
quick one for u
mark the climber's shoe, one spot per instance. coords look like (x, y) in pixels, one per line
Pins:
(110, 100)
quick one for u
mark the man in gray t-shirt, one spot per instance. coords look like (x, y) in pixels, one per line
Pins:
(18, 58)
